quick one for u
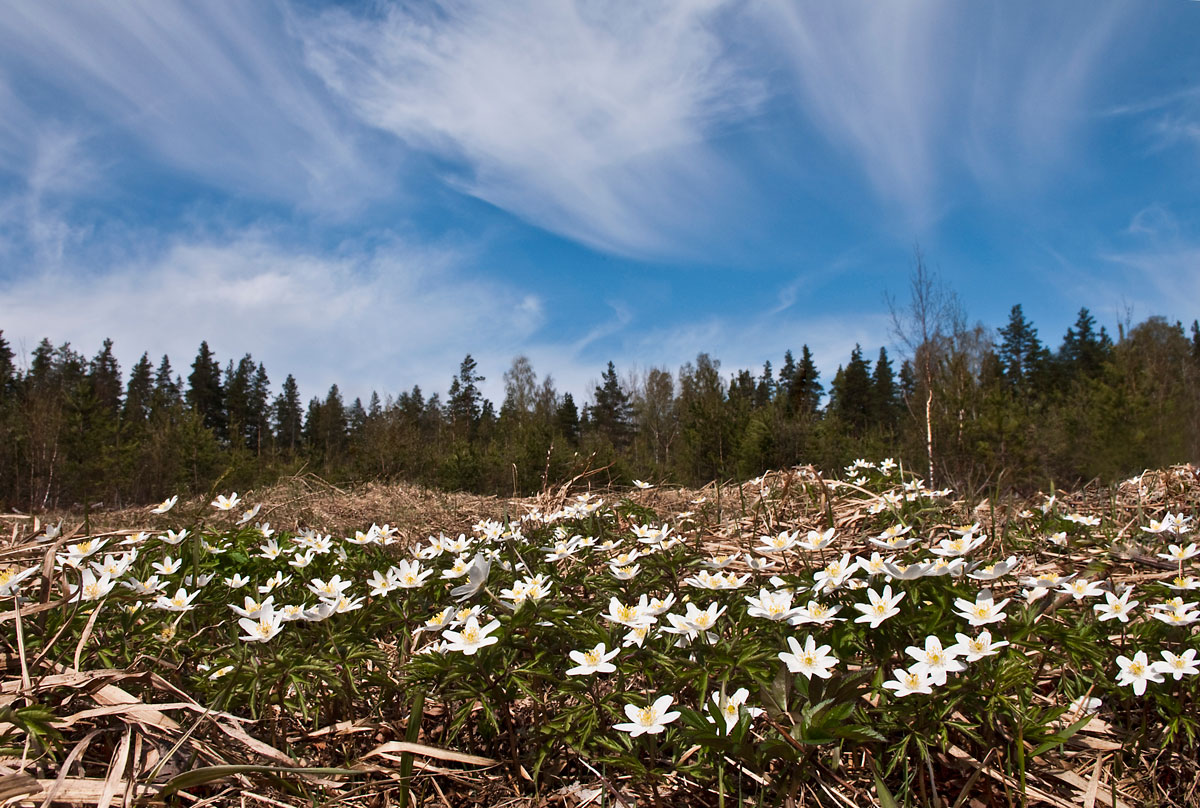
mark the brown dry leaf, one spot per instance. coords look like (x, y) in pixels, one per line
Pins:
(400, 747)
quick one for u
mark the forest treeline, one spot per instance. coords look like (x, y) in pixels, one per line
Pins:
(980, 408)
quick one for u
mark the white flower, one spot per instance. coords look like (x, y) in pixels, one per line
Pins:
(642, 485)
(250, 514)
(332, 589)
(116, 566)
(275, 581)
(1178, 665)
(168, 566)
(783, 541)
(732, 707)
(224, 503)
(91, 587)
(1082, 588)
(636, 636)
(381, 584)
(253, 608)
(302, 560)
(593, 661)
(990, 572)
(1137, 671)
(810, 660)
(881, 607)
(11, 579)
(817, 613)
(76, 553)
(472, 637)
(648, 720)
(935, 661)
(909, 681)
(630, 616)
(408, 574)
(696, 620)
(181, 602)
(834, 574)
(166, 505)
(1116, 607)
(817, 540)
(1084, 705)
(771, 605)
(268, 624)
(1181, 554)
(975, 649)
(983, 611)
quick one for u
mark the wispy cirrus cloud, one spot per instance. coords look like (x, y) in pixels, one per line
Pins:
(218, 92)
(591, 122)
(917, 95)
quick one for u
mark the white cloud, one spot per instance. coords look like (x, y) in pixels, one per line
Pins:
(917, 92)
(218, 91)
(383, 319)
(589, 122)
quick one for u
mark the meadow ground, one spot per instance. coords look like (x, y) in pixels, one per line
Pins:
(788, 640)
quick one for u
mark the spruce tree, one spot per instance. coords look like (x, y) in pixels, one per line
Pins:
(612, 413)
(465, 405)
(289, 419)
(1084, 350)
(8, 370)
(787, 373)
(885, 396)
(105, 375)
(566, 419)
(205, 395)
(259, 435)
(239, 416)
(764, 393)
(804, 388)
(1021, 353)
(139, 393)
(166, 386)
(852, 395)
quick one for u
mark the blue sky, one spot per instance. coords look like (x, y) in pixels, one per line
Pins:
(363, 193)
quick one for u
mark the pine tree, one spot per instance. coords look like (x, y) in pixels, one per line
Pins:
(205, 395)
